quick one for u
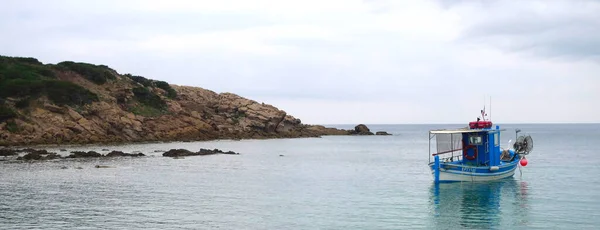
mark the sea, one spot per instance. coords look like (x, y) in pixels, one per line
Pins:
(333, 182)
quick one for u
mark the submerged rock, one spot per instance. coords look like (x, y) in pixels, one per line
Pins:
(382, 133)
(39, 155)
(8, 152)
(102, 166)
(82, 154)
(177, 153)
(202, 152)
(122, 154)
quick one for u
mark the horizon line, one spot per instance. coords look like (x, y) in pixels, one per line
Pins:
(510, 123)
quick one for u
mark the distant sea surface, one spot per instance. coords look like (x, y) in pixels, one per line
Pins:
(334, 182)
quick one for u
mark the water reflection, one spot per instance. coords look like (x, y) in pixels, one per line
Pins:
(497, 204)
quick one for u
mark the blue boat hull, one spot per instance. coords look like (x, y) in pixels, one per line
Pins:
(457, 172)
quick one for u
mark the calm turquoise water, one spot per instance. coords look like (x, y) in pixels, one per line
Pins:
(320, 183)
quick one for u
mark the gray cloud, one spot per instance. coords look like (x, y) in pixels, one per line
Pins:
(374, 61)
(556, 29)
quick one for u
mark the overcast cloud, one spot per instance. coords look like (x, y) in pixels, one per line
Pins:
(339, 61)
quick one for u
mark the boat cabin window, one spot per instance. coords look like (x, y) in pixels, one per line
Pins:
(475, 140)
(496, 141)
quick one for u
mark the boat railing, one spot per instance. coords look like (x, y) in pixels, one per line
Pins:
(449, 156)
(445, 152)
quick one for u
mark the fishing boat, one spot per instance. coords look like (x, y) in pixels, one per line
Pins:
(473, 153)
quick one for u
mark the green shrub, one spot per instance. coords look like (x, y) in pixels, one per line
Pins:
(28, 79)
(59, 92)
(146, 111)
(28, 60)
(67, 93)
(171, 93)
(139, 79)
(23, 103)
(21, 88)
(6, 113)
(12, 127)
(146, 97)
(98, 74)
(23, 68)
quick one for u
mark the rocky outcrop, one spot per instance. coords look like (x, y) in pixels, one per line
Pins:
(196, 114)
(361, 130)
(202, 152)
(126, 108)
(382, 133)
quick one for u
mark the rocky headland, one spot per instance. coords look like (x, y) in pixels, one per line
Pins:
(81, 103)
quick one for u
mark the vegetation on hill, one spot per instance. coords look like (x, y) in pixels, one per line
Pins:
(27, 78)
(6, 113)
(171, 93)
(24, 80)
(150, 104)
(98, 74)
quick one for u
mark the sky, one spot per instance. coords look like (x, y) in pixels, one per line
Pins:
(339, 61)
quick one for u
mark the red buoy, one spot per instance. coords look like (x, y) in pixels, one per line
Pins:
(523, 162)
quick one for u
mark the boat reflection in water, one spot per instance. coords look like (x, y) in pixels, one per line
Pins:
(482, 205)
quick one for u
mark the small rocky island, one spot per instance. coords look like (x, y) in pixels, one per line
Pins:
(364, 130)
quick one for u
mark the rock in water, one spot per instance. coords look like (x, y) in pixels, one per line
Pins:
(81, 154)
(362, 130)
(382, 133)
(102, 166)
(7, 152)
(202, 152)
(122, 154)
(177, 153)
(39, 155)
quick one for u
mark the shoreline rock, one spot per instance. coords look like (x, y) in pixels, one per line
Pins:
(39, 155)
(383, 133)
(122, 154)
(361, 129)
(203, 152)
(8, 152)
